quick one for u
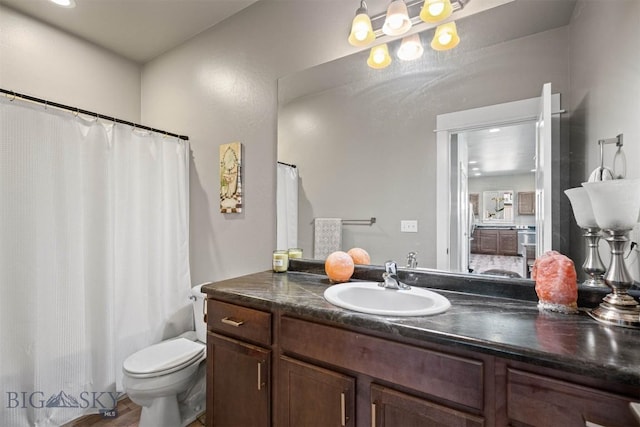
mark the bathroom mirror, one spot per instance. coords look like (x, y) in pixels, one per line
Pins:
(363, 140)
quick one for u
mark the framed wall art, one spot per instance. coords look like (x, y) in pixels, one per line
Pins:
(231, 178)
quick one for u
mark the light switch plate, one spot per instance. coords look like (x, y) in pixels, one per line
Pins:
(409, 226)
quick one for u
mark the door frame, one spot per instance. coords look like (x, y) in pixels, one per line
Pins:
(526, 110)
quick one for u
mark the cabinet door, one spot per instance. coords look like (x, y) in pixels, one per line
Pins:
(488, 242)
(238, 383)
(535, 400)
(508, 242)
(311, 396)
(527, 203)
(390, 408)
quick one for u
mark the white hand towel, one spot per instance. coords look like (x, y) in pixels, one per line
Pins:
(327, 236)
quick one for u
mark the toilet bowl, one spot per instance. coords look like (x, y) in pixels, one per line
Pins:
(168, 379)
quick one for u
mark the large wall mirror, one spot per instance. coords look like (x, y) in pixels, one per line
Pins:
(364, 140)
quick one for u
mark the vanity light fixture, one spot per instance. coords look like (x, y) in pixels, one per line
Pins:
(361, 30)
(446, 37)
(410, 48)
(379, 57)
(436, 10)
(397, 21)
(65, 3)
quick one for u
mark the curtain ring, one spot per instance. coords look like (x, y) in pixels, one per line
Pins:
(14, 96)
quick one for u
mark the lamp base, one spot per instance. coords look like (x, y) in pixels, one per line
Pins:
(618, 310)
(594, 282)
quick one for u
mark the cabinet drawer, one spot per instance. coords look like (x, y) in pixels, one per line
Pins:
(441, 375)
(240, 322)
(534, 400)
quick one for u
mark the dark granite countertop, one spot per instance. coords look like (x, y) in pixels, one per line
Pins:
(504, 327)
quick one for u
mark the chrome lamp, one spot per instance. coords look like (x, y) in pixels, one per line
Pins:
(583, 214)
(616, 206)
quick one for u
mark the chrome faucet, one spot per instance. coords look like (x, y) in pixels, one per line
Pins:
(412, 260)
(390, 277)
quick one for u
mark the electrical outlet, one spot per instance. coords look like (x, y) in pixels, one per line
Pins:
(409, 226)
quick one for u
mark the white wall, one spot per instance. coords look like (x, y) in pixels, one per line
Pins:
(605, 93)
(38, 60)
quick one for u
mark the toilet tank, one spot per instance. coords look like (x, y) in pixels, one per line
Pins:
(198, 312)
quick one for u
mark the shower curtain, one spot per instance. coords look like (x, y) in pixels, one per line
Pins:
(287, 207)
(94, 260)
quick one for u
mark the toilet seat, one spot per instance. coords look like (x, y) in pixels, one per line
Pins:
(163, 358)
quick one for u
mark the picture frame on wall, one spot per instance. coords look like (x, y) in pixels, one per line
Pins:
(231, 177)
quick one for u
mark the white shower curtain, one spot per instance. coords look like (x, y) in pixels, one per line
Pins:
(93, 257)
(287, 207)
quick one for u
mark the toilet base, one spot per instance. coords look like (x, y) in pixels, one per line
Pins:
(163, 412)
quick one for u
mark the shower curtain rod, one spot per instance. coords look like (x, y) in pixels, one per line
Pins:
(89, 113)
(287, 164)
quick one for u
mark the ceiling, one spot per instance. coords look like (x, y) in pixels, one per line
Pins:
(503, 150)
(138, 30)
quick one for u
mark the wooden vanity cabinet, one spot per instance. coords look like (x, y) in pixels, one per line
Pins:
(314, 374)
(495, 242)
(396, 384)
(238, 370)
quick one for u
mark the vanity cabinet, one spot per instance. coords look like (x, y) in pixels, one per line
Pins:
(238, 366)
(495, 242)
(312, 372)
(396, 384)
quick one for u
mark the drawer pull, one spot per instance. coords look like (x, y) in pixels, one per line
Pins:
(231, 322)
(343, 410)
(260, 382)
(373, 414)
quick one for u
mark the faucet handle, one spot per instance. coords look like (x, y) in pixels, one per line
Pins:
(391, 267)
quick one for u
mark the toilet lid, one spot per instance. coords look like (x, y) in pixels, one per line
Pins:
(163, 356)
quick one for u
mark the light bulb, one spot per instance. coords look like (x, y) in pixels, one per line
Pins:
(65, 3)
(445, 38)
(410, 48)
(361, 31)
(379, 57)
(436, 9)
(397, 21)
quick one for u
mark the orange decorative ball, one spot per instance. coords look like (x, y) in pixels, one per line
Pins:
(339, 267)
(359, 256)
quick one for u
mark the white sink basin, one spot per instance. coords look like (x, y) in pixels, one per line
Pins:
(368, 297)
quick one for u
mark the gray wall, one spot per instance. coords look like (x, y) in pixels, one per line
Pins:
(38, 60)
(366, 146)
(221, 87)
(604, 94)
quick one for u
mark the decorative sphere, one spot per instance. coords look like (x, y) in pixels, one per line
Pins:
(359, 256)
(339, 267)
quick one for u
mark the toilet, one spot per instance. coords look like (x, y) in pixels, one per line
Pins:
(168, 379)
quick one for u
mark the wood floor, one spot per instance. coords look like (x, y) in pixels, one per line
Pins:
(128, 416)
